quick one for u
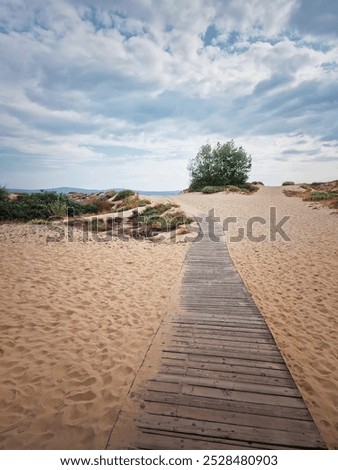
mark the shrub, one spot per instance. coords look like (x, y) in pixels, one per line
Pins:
(154, 211)
(58, 208)
(132, 204)
(232, 188)
(157, 219)
(101, 204)
(42, 205)
(3, 194)
(250, 187)
(305, 186)
(222, 165)
(101, 225)
(212, 189)
(288, 183)
(110, 193)
(321, 195)
(124, 194)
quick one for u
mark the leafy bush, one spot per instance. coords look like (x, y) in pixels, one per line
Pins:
(288, 183)
(3, 194)
(102, 204)
(321, 195)
(42, 205)
(250, 187)
(110, 193)
(101, 225)
(154, 211)
(212, 189)
(156, 219)
(124, 194)
(222, 165)
(305, 186)
(58, 208)
(232, 188)
(132, 204)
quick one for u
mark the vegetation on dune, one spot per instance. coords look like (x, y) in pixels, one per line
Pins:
(39, 208)
(4, 195)
(324, 193)
(132, 203)
(242, 188)
(124, 194)
(40, 205)
(158, 218)
(212, 189)
(220, 166)
(288, 183)
(320, 195)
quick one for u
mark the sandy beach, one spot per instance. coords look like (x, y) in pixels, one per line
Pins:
(76, 321)
(78, 318)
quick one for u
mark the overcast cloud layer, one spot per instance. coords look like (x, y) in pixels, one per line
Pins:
(118, 93)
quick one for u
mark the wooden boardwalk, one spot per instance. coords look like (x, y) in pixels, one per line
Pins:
(221, 382)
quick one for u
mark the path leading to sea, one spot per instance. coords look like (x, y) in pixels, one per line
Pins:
(214, 377)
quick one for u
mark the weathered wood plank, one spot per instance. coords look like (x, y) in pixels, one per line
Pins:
(261, 409)
(222, 375)
(275, 358)
(230, 361)
(228, 385)
(226, 368)
(225, 431)
(240, 418)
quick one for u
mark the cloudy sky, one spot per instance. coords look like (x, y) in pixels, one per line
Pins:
(121, 93)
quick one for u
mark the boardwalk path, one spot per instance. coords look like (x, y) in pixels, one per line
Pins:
(220, 381)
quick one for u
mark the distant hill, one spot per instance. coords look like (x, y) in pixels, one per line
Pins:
(66, 190)
(63, 190)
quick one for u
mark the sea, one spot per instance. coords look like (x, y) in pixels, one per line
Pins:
(66, 190)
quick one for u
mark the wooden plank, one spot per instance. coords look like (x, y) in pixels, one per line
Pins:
(237, 395)
(222, 375)
(248, 346)
(159, 441)
(228, 385)
(225, 353)
(224, 368)
(221, 404)
(206, 334)
(225, 431)
(219, 359)
(240, 418)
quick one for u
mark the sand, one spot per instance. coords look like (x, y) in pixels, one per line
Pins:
(76, 321)
(78, 318)
(294, 284)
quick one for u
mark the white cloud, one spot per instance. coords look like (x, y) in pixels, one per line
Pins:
(81, 79)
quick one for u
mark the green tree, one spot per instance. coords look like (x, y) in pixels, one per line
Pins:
(222, 165)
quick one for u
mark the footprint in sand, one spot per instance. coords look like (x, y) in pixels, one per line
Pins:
(85, 396)
(88, 382)
(28, 390)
